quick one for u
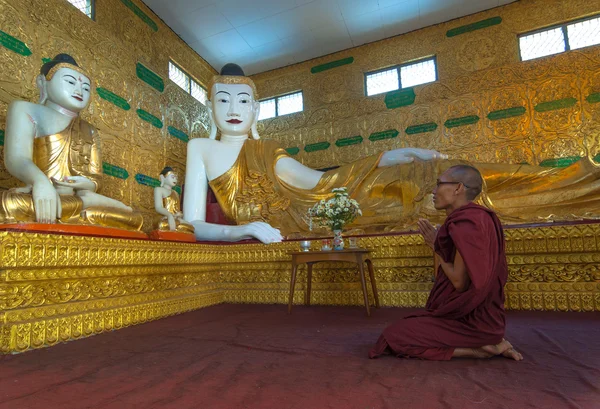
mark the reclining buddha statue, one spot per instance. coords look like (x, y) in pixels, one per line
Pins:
(267, 193)
(57, 155)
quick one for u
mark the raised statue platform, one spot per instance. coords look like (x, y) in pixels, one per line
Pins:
(58, 287)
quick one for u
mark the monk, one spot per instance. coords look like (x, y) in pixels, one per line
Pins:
(464, 315)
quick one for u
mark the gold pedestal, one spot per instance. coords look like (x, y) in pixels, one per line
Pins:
(56, 288)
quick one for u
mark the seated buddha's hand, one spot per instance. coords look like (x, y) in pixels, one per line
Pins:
(262, 231)
(46, 202)
(75, 183)
(408, 155)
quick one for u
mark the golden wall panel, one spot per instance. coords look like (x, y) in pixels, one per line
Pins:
(56, 288)
(478, 72)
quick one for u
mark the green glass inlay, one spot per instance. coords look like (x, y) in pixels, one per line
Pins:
(1, 137)
(178, 134)
(177, 189)
(140, 13)
(400, 98)
(293, 151)
(506, 113)
(353, 140)
(422, 128)
(147, 180)
(593, 98)
(553, 105)
(319, 146)
(113, 98)
(378, 136)
(560, 162)
(462, 121)
(115, 171)
(148, 117)
(332, 64)
(474, 26)
(149, 77)
(45, 60)
(597, 158)
(14, 44)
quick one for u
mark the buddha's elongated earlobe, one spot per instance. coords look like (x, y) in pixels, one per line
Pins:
(254, 129)
(213, 123)
(41, 82)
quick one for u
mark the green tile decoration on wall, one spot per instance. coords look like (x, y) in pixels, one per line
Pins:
(148, 117)
(114, 171)
(147, 180)
(597, 158)
(149, 77)
(560, 162)
(462, 121)
(140, 13)
(1, 137)
(177, 189)
(593, 98)
(182, 136)
(113, 98)
(400, 98)
(421, 128)
(45, 60)
(478, 25)
(319, 146)
(506, 113)
(352, 140)
(14, 44)
(379, 136)
(293, 151)
(554, 105)
(330, 65)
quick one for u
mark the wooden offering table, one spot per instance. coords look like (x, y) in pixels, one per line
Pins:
(353, 255)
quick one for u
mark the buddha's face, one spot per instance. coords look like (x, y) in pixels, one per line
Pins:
(234, 108)
(170, 180)
(69, 89)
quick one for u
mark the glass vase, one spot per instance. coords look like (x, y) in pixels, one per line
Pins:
(338, 241)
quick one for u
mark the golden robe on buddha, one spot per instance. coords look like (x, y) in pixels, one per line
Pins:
(393, 198)
(172, 204)
(72, 152)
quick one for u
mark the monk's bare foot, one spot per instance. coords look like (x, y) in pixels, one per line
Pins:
(505, 349)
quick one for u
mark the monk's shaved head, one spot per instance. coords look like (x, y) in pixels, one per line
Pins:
(469, 177)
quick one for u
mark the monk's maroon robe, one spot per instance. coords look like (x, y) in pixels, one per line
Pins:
(470, 319)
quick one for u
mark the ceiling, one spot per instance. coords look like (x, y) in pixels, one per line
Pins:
(262, 35)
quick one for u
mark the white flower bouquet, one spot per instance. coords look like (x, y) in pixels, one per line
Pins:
(335, 212)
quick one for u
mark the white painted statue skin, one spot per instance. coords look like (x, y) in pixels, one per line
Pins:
(234, 112)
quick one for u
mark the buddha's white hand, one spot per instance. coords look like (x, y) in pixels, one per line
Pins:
(408, 155)
(76, 183)
(262, 231)
(46, 202)
(171, 221)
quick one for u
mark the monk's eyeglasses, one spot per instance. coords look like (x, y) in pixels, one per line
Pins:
(439, 182)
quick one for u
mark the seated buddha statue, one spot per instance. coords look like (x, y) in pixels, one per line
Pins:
(166, 202)
(267, 193)
(57, 155)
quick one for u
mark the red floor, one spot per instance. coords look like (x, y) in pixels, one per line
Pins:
(257, 356)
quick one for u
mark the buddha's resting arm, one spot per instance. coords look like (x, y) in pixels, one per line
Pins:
(296, 174)
(408, 155)
(194, 207)
(18, 159)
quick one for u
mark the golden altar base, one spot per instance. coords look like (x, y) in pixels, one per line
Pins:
(56, 288)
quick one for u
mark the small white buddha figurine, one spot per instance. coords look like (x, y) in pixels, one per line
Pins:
(166, 202)
(57, 155)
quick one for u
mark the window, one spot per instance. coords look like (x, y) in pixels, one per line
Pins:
(187, 83)
(558, 39)
(86, 6)
(401, 76)
(283, 105)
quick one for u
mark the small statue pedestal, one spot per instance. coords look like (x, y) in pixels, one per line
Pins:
(77, 229)
(172, 236)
